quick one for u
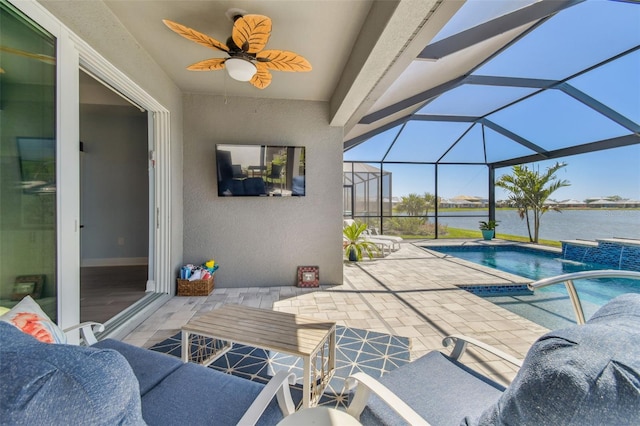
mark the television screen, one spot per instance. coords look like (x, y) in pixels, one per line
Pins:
(37, 164)
(260, 170)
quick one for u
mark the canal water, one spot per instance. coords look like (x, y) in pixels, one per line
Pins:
(566, 225)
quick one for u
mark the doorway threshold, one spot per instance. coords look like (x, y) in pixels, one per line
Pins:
(126, 321)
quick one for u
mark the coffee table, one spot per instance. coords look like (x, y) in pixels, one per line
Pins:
(319, 416)
(313, 340)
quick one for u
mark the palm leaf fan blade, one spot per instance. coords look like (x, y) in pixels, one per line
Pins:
(208, 65)
(251, 33)
(283, 60)
(196, 36)
(262, 78)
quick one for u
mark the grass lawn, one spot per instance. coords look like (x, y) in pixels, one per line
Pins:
(470, 233)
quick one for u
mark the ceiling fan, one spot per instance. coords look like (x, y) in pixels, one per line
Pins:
(247, 60)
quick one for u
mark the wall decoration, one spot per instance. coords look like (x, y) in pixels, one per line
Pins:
(308, 276)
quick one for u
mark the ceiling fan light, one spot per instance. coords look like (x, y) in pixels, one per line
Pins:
(240, 69)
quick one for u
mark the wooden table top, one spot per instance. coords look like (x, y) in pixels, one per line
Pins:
(278, 331)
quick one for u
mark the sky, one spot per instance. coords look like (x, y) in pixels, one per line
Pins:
(596, 174)
(574, 40)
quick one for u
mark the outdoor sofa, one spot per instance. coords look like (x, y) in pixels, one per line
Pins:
(582, 375)
(114, 383)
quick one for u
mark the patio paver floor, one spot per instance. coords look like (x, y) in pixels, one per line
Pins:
(411, 293)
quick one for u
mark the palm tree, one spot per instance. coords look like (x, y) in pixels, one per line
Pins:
(529, 190)
(413, 204)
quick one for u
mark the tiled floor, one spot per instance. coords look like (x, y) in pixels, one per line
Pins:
(106, 291)
(410, 293)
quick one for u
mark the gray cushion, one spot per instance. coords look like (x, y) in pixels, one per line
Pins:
(438, 388)
(150, 367)
(196, 395)
(582, 375)
(53, 384)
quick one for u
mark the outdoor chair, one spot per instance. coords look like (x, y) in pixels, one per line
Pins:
(582, 375)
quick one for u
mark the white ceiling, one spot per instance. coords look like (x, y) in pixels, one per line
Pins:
(298, 26)
(356, 48)
(363, 52)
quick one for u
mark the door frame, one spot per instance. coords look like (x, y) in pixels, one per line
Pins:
(73, 53)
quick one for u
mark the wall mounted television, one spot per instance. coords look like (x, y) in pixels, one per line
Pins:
(260, 170)
(37, 158)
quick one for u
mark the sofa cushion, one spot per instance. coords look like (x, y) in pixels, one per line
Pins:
(150, 367)
(196, 395)
(63, 384)
(585, 374)
(439, 389)
(30, 318)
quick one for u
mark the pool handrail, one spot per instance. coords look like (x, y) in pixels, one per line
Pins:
(571, 289)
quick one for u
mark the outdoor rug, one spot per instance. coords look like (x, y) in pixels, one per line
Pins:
(356, 350)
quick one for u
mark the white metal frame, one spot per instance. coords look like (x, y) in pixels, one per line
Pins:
(568, 280)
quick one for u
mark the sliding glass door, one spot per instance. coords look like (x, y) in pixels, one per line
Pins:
(28, 187)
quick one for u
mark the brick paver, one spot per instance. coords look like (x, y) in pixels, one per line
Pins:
(411, 293)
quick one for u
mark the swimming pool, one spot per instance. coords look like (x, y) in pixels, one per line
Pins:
(549, 306)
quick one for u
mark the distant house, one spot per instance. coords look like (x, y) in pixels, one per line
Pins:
(468, 201)
(571, 203)
(603, 202)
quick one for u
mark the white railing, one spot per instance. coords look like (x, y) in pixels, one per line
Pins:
(568, 280)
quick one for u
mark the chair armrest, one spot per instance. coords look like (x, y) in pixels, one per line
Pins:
(87, 330)
(461, 345)
(278, 386)
(366, 384)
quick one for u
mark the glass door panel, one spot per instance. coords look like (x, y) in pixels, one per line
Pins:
(27, 162)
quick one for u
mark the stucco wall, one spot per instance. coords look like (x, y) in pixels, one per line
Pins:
(260, 241)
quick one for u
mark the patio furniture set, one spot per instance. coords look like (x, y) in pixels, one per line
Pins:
(585, 374)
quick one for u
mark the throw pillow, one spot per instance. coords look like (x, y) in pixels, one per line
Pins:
(43, 384)
(31, 319)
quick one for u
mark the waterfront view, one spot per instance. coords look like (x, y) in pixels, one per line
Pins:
(568, 224)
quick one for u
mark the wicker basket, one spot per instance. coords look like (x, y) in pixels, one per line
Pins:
(195, 287)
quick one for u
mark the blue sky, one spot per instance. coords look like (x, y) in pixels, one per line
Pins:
(601, 173)
(576, 39)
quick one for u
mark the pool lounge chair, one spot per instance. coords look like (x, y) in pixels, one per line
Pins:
(391, 239)
(384, 246)
(585, 374)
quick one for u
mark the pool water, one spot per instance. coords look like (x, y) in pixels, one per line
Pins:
(549, 306)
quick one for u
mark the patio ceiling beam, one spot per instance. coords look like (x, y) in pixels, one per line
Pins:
(402, 26)
(599, 107)
(519, 139)
(489, 80)
(618, 142)
(411, 101)
(494, 27)
(448, 118)
(363, 137)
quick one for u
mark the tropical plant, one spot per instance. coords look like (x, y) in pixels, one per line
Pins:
(412, 204)
(488, 225)
(529, 189)
(429, 202)
(354, 242)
